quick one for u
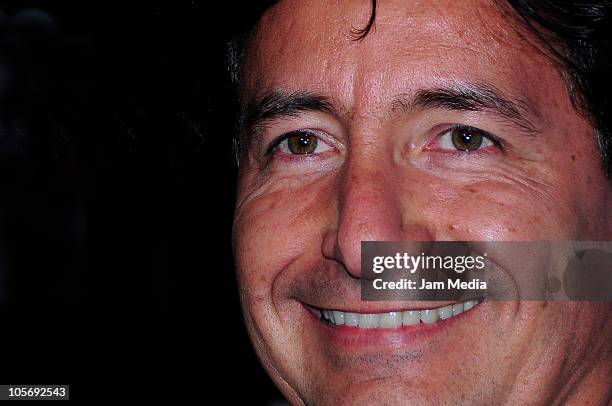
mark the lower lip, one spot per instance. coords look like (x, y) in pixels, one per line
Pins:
(349, 337)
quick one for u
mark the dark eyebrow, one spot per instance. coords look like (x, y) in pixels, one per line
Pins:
(277, 104)
(272, 105)
(473, 97)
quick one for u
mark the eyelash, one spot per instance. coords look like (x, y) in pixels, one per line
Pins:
(274, 145)
(277, 141)
(496, 141)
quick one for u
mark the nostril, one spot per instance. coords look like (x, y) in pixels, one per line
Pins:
(371, 206)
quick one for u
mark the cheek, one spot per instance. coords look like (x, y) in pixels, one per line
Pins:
(495, 210)
(592, 191)
(278, 227)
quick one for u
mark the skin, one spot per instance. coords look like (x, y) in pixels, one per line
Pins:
(299, 220)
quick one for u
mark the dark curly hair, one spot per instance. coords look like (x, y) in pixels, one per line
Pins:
(574, 34)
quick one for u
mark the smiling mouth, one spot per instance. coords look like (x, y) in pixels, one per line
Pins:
(396, 319)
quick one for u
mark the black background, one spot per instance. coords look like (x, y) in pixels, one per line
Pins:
(117, 191)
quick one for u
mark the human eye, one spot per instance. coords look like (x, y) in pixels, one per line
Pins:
(465, 139)
(299, 142)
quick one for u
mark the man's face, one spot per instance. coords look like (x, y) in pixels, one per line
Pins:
(378, 149)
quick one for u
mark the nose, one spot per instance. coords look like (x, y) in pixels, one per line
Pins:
(372, 206)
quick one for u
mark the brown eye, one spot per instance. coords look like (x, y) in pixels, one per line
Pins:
(466, 139)
(302, 143)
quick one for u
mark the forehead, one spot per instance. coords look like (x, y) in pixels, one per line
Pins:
(309, 45)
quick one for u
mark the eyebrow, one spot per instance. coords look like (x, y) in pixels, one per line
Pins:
(465, 96)
(277, 104)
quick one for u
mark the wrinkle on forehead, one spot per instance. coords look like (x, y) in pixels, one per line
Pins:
(307, 45)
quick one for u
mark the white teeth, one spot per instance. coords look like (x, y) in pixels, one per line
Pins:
(396, 319)
(390, 320)
(338, 318)
(445, 312)
(367, 320)
(351, 319)
(412, 317)
(457, 309)
(429, 316)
